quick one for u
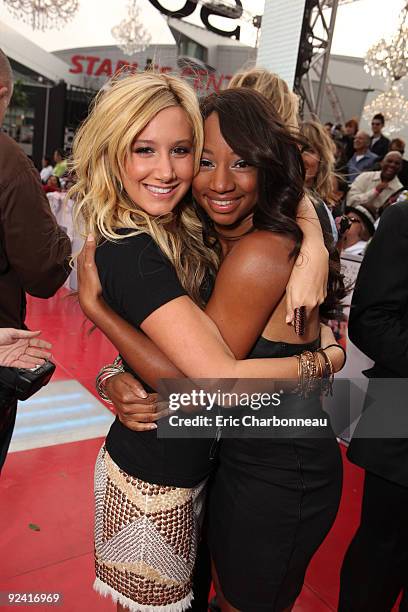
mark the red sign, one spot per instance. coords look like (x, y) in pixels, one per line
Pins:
(93, 65)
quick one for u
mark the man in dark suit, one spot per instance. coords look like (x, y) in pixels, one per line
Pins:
(379, 144)
(375, 568)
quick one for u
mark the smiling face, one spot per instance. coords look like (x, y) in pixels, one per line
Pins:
(226, 186)
(160, 168)
(391, 165)
(361, 142)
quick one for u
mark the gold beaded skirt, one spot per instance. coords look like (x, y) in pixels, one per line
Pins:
(146, 539)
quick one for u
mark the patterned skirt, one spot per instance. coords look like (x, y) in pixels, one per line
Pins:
(146, 539)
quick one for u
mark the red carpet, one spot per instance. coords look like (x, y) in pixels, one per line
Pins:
(51, 489)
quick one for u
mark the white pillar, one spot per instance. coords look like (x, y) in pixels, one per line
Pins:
(280, 36)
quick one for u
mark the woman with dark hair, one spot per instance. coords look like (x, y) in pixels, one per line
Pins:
(272, 501)
(53, 184)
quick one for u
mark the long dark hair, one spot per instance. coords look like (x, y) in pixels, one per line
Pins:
(251, 127)
(253, 130)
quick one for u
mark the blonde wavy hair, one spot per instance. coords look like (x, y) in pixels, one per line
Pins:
(119, 113)
(275, 89)
(318, 139)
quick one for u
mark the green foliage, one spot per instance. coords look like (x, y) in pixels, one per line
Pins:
(19, 98)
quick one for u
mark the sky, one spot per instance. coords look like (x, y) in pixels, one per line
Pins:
(359, 24)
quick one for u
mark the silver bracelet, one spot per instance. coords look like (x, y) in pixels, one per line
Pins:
(105, 373)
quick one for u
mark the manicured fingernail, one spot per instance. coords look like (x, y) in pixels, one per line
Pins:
(153, 426)
(90, 238)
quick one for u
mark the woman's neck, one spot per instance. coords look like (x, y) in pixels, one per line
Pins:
(230, 234)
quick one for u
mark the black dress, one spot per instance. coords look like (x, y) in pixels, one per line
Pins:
(272, 503)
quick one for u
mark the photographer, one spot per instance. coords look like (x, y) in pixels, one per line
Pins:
(358, 231)
(33, 249)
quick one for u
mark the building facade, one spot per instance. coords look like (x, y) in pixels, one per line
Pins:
(53, 90)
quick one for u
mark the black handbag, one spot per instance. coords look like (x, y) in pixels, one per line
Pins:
(23, 383)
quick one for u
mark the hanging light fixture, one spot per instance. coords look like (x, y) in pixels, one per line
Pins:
(389, 59)
(130, 34)
(43, 14)
(393, 105)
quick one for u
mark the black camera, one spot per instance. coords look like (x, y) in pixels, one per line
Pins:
(23, 383)
(344, 225)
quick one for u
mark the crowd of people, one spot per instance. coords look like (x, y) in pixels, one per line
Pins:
(369, 170)
(54, 176)
(214, 233)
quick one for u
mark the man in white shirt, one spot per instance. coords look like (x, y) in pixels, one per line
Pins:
(372, 189)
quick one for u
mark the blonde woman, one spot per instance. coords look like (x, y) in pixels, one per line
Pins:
(318, 154)
(319, 158)
(275, 89)
(135, 157)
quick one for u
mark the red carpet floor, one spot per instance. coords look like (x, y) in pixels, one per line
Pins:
(51, 488)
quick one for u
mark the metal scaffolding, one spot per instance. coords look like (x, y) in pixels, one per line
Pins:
(314, 54)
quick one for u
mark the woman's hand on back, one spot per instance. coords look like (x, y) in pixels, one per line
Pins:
(136, 409)
(307, 285)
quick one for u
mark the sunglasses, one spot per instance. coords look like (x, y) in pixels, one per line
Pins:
(376, 123)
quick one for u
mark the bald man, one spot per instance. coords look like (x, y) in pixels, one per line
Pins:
(363, 159)
(6, 85)
(374, 189)
(33, 249)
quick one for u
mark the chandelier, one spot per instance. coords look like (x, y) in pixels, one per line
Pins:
(393, 106)
(43, 14)
(389, 59)
(130, 34)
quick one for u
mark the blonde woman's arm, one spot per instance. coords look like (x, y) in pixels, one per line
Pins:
(307, 285)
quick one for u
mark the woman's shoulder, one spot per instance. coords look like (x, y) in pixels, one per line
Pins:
(140, 250)
(262, 244)
(127, 241)
(126, 236)
(261, 255)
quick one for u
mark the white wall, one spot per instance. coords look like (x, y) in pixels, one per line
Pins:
(280, 35)
(348, 72)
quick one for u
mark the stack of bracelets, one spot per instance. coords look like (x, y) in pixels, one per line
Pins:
(315, 370)
(107, 372)
(312, 370)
